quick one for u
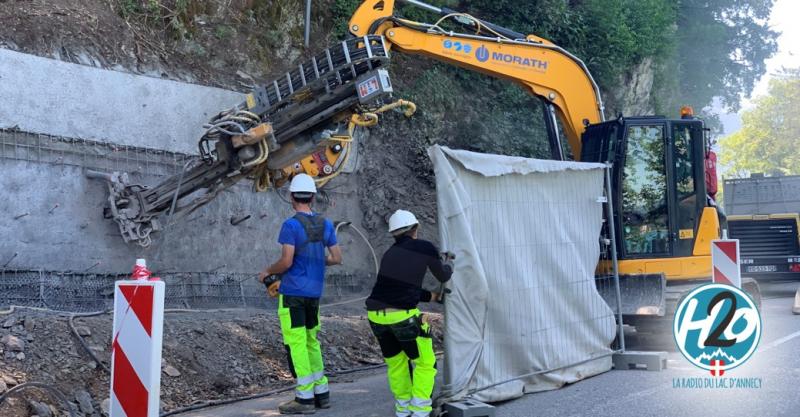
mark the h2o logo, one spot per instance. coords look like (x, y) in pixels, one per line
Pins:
(717, 327)
(457, 46)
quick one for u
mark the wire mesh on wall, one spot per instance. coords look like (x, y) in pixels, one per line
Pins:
(60, 150)
(83, 292)
(87, 292)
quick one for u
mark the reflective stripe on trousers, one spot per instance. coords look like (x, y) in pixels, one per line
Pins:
(401, 408)
(420, 407)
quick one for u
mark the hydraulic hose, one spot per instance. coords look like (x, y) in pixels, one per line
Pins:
(82, 341)
(44, 387)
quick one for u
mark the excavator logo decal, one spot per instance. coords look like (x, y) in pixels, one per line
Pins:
(457, 46)
(482, 54)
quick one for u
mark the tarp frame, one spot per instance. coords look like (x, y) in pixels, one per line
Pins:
(468, 163)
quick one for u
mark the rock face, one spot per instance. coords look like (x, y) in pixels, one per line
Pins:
(634, 98)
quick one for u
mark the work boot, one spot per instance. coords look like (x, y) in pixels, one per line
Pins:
(322, 400)
(295, 407)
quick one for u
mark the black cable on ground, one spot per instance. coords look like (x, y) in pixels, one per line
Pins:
(44, 387)
(214, 403)
(81, 339)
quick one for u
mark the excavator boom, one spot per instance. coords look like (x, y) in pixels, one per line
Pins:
(548, 71)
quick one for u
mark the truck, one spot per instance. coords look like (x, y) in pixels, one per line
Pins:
(763, 212)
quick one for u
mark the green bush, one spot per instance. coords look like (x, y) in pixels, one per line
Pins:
(341, 11)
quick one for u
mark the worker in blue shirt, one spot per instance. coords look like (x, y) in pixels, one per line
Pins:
(303, 238)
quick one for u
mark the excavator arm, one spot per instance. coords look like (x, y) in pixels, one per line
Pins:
(544, 69)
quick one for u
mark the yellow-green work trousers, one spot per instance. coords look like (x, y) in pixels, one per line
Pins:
(299, 317)
(407, 348)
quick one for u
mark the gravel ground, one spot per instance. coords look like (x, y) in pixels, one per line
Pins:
(206, 355)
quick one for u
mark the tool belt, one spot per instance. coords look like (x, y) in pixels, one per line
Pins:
(405, 325)
(405, 331)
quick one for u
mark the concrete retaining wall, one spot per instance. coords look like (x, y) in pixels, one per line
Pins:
(52, 215)
(42, 95)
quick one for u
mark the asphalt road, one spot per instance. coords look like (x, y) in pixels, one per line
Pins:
(635, 393)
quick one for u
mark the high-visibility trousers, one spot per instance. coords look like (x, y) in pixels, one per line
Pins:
(299, 317)
(407, 348)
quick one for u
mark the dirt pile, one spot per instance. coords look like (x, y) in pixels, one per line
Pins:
(208, 355)
(223, 43)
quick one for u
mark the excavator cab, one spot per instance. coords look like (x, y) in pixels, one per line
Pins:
(658, 182)
(662, 220)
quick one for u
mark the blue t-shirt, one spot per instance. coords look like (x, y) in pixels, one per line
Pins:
(306, 276)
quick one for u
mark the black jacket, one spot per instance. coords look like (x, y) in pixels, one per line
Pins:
(402, 270)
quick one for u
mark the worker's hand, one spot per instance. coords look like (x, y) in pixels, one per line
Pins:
(272, 290)
(262, 276)
(435, 297)
(449, 262)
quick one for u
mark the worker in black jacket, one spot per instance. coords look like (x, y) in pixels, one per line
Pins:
(397, 323)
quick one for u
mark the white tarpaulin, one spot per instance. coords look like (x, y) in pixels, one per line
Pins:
(526, 237)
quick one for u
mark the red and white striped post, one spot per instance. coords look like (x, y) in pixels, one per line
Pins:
(136, 348)
(725, 262)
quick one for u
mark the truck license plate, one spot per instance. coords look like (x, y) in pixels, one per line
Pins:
(762, 268)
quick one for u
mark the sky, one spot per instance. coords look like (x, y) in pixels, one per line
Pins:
(784, 19)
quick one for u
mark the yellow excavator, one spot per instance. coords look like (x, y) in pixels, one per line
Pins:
(304, 122)
(664, 221)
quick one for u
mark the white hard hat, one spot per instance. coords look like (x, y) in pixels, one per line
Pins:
(401, 219)
(302, 183)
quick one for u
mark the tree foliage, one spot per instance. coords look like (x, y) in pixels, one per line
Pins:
(769, 141)
(610, 36)
(701, 48)
(722, 46)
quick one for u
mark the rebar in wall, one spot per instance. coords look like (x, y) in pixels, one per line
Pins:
(96, 155)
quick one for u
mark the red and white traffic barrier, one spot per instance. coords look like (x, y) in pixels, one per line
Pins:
(725, 262)
(136, 347)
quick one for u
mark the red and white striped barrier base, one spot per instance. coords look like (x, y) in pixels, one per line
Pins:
(136, 348)
(725, 262)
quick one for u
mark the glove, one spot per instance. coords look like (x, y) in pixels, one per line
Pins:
(448, 259)
(273, 288)
(273, 283)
